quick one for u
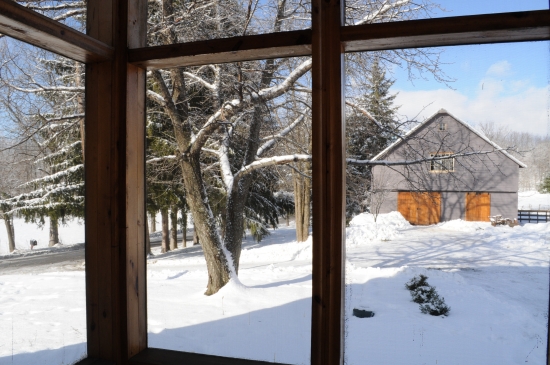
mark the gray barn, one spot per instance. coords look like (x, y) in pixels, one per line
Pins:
(481, 180)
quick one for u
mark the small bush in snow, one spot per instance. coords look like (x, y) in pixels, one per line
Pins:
(423, 294)
(436, 306)
(426, 295)
(417, 281)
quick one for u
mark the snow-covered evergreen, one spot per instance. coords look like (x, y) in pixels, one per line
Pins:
(371, 126)
(50, 121)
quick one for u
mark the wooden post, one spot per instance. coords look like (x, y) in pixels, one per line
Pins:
(327, 337)
(115, 199)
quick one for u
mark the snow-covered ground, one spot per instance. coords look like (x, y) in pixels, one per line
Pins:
(69, 234)
(495, 279)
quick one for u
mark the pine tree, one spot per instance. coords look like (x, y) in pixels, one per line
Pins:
(164, 189)
(364, 138)
(544, 187)
(54, 122)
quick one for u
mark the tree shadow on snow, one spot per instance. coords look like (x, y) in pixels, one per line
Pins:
(465, 250)
(284, 282)
(494, 317)
(279, 334)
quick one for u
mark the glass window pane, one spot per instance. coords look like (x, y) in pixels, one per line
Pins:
(382, 11)
(229, 187)
(42, 286)
(69, 12)
(447, 202)
(178, 22)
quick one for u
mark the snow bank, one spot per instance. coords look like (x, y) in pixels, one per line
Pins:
(363, 228)
(463, 226)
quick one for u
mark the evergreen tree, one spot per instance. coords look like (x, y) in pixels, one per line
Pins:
(52, 118)
(544, 187)
(165, 191)
(365, 139)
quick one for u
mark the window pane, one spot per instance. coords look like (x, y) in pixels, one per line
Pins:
(444, 155)
(178, 22)
(382, 11)
(42, 286)
(69, 12)
(229, 171)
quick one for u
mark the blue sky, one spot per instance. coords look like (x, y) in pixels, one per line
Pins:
(504, 83)
(467, 65)
(469, 7)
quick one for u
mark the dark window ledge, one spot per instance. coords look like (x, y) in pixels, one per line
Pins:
(92, 361)
(152, 356)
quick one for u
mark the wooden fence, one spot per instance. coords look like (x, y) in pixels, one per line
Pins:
(533, 216)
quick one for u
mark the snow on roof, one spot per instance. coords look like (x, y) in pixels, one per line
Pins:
(472, 129)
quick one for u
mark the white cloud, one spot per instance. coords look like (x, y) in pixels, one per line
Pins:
(524, 111)
(501, 68)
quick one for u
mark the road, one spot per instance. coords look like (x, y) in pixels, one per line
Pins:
(70, 259)
(66, 259)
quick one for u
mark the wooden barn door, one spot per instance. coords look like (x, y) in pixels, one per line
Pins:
(478, 206)
(419, 208)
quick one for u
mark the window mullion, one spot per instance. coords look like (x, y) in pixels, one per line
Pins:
(328, 184)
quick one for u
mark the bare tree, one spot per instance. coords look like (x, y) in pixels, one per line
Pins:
(378, 193)
(227, 120)
(533, 150)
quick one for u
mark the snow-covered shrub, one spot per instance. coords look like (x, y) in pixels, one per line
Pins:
(415, 282)
(423, 294)
(426, 295)
(436, 306)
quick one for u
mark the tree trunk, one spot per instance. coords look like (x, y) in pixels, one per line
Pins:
(81, 106)
(219, 272)
(234, 228)
(302, 202)
(54, 232)
(153, 222)
(147, 241)
(164, 246)
(11, 233)
(174, 228)
(196, 240)
(184, 226)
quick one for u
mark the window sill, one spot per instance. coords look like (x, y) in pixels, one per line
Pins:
(152, 356)
(92, 361)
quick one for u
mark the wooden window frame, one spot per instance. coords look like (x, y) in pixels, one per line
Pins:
(438, 166)
(116, 59)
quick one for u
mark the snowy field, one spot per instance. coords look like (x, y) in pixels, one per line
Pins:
(533, 200)
(495, 279)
